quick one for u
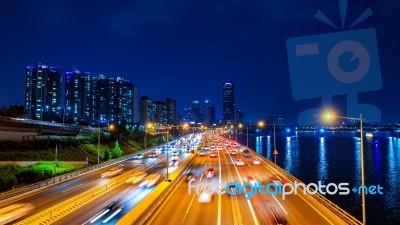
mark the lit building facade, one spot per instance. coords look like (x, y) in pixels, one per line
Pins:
(43, 92)
(228, 103)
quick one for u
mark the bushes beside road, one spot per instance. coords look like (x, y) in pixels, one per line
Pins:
(15, 175)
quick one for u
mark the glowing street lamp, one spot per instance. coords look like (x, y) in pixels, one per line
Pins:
(329, 116)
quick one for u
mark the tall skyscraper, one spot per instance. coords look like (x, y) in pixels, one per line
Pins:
(147, 110)
(43, 91)
(208, 113)
(171, 111)
(228, 103)
(78, 97)
(161, 112)
(196, 111)
(125, 107)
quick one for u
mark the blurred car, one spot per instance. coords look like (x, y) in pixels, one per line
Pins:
(153, 155)
(190, 175)
(232, 190)
(233, 152)
(213, 154)
(150, 180)
(174, 162)
(138, 156)
(14, 211)
(246, 152)
(256, 161)
(202, 153)
(210, 173)
(252, 180)
(239, 162)
(274, 179)
(137, 177)
(204, 197)
(280, 179)
(175, 153)
(114, 171)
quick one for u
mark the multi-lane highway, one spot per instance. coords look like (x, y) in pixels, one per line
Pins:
(218, 162)
(127, 194)
(184, 208)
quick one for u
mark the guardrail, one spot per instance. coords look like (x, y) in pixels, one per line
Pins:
(345, 216)
(68, 176)
(154, 200)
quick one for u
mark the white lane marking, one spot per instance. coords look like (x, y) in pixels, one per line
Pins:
(165, 202)
(280, 205)
(71, 188)
(190, 205)
(248, 164)
(248, 200)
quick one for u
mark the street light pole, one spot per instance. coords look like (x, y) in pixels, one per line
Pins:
(98, 144)
(55, 163)
(247, 139)
(329, 116)
(362, 170)
(275, 151)
(167, 178)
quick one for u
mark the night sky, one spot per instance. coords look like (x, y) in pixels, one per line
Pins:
(186, 49)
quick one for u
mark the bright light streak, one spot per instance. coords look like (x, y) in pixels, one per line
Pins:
(99, 216)
(112, 215)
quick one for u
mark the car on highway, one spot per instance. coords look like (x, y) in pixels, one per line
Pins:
(232, 189)
(173, 163)
(274, 179)
(136, 177)
(175, 153)
(204, 197)
(190, 175)
(252, 180)
(239, 162)
(14, 211)
(280, 179)
(114, 171)
(138, 156)
(210, 173)
(213, 154)
(233, 152)
(109, 211)
(150, 180)
(256, 161)
(246, 152)
(153, 155)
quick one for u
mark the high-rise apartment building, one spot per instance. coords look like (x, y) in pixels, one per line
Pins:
(43, 91)
(125, 99)
(78, 97)
(196, 111)
(161, 112)
(147, 110)
(170, 104)
(228, 103)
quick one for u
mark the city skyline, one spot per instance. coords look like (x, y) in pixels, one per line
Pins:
(186, 50)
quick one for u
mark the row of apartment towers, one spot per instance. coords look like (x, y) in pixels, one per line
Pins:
(88, 100)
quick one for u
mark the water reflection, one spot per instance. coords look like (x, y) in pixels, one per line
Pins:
(259, 144)
(322, 164)
(269, 147)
